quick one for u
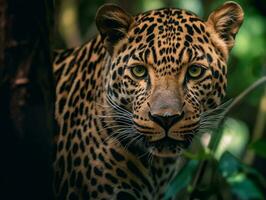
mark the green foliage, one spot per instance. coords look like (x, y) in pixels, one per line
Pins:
(241, 178)
(224, 176)
(182, 180)
(202, 154)
(227, 176)
(248, 56)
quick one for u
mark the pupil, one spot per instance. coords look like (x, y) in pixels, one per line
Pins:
(194, 69)
(139, 69)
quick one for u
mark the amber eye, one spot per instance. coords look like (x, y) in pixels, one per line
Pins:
(195, 71)
(139, 71)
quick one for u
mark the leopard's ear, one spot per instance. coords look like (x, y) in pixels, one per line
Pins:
(226, 21)
(113, 24)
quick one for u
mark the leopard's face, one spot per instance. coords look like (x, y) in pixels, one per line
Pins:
(168, 68)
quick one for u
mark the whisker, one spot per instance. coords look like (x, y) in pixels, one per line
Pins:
(118, 122)
(135, 138)
(120, 131)
(114, 116)
(211, 119)
(115, 105)
(113, 126)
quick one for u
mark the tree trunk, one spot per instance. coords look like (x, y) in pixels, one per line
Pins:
(26, 99)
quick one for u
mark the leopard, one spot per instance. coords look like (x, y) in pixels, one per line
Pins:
(131, 99)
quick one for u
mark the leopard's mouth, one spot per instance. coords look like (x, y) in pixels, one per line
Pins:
(168, 147)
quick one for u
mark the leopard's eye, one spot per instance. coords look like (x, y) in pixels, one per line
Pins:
(139, 71)
(195, 71)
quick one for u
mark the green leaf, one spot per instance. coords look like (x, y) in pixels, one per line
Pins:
(229, 165)
(239, 178)
(243, 187)
(202, 154)
(182, 179)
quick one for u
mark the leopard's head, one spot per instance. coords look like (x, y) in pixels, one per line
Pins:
(168, 67)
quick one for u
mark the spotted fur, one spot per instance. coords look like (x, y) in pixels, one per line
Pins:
(120, 136)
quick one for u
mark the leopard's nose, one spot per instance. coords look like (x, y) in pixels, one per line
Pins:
(166, 121)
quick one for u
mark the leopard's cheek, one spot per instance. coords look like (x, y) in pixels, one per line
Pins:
(214, 90)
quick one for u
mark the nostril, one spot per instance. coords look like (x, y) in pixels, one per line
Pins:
(166, 121)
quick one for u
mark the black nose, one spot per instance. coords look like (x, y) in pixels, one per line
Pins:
(166, 122)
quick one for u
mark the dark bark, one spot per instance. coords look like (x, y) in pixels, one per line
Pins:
(26, 99)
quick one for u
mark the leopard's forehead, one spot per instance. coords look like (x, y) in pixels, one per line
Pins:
(169, 36)
(167, 15)
(168, 22)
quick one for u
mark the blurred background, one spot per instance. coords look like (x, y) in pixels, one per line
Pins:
(241, 148)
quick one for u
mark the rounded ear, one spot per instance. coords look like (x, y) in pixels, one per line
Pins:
(226, 21)
(113, 24)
